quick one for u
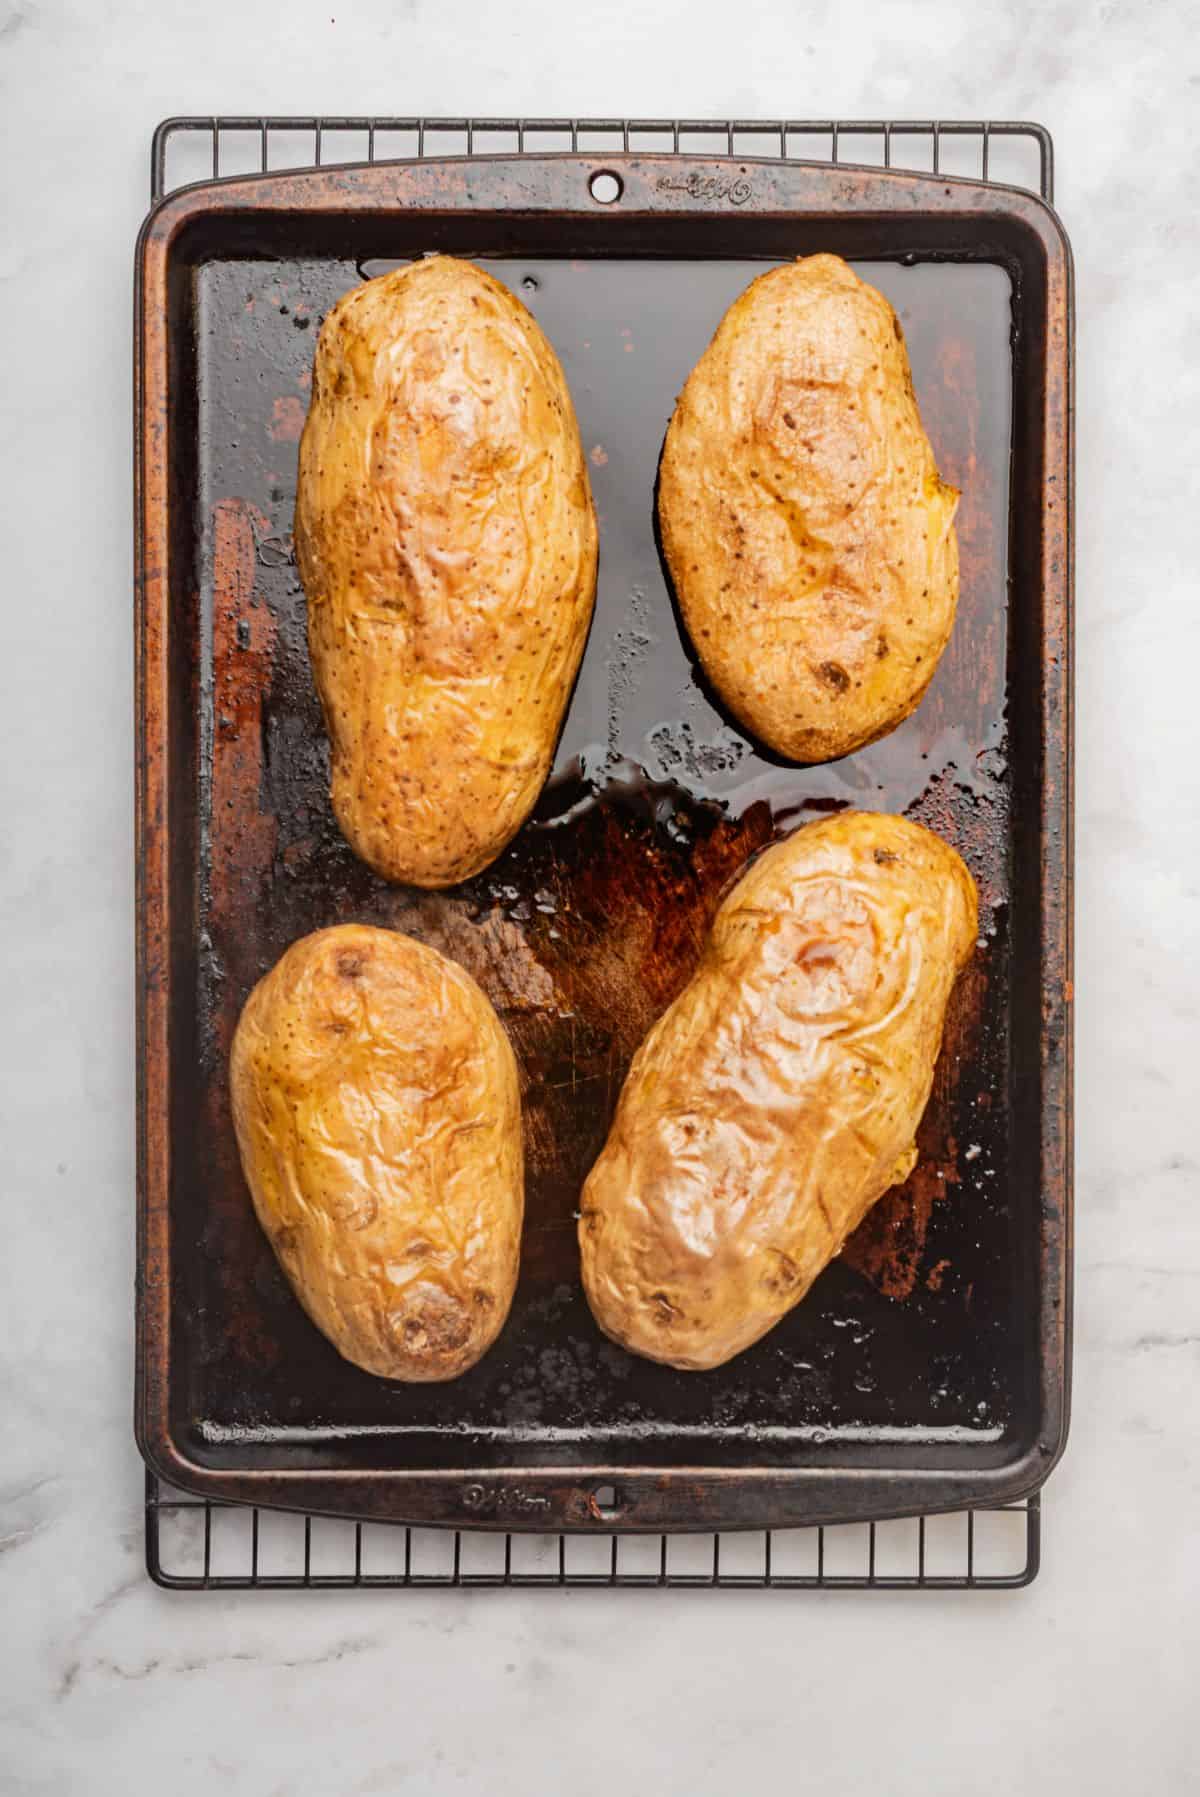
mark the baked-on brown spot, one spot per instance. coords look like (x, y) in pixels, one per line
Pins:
(350, 964)
(784, 1274)
(436, 1324)
(834, 675)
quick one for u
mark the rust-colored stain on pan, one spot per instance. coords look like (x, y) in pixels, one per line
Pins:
(928, 1367)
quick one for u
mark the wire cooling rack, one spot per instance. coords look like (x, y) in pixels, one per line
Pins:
(1008, 151)
(194, 1544)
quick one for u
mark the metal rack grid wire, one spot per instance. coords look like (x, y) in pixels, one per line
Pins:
(1006, 150)
(196, 1544)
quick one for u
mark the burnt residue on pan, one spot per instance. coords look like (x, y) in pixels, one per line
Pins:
(592, 920)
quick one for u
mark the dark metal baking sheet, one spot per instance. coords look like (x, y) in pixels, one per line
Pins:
(929, 1367)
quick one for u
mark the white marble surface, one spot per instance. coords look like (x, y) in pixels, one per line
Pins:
(1081, 1683)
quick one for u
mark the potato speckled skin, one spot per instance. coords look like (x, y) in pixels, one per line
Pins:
(447, 543)
(779, 1095)
(377, 1113)
(809, 536)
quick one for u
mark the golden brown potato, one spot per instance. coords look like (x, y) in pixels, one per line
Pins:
(809, 537)
(377, 1113)
(447, 544)
(779, 1096)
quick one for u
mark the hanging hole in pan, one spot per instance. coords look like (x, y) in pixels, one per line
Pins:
(607, 1503)
(605, 187)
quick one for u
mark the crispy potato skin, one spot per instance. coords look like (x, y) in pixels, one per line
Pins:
(377, 1113)
(809, 536)
(779, 1096)
(447, 543)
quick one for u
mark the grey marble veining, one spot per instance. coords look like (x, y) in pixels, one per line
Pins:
(1083, 1683)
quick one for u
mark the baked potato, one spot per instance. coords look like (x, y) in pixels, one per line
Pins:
(809, 536)
(447, 543)
(379, 1124)
(779, 1095)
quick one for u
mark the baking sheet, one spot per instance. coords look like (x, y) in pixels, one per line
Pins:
(919, 1370)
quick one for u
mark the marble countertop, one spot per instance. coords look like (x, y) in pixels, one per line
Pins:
(1085, 1681)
